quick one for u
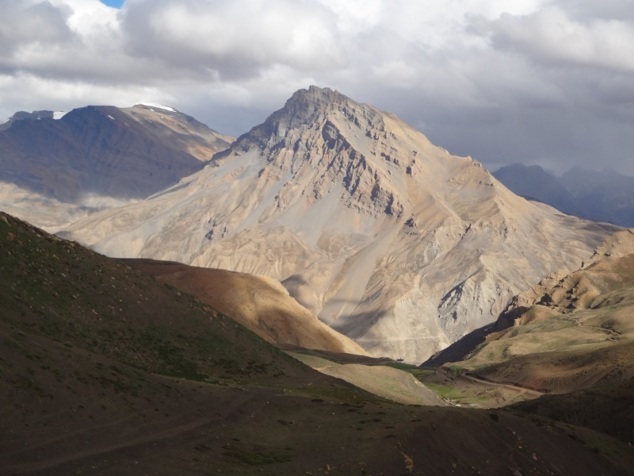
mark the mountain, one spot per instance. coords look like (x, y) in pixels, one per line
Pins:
(534, 183)
(389, 239)
(104, 370)
(34, 115)
(559, 291)
(259, 303)
(602, 195)
(596, 195)
(52, 170)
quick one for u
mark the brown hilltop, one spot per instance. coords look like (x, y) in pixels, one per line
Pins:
(259, 303)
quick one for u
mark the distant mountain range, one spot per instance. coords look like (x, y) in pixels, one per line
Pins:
(61, 166)
(597, 195)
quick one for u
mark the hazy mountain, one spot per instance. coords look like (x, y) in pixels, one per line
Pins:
(597, 195)
(104, 370)
(52, 169)
(535, 183)
(602, 195)
(389, 239)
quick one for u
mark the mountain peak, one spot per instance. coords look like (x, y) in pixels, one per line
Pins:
(389, 239)
(314, 95)
(307, 106)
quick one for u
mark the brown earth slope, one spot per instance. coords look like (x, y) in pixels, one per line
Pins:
(104, 370)
(578, 331)
(257, 302)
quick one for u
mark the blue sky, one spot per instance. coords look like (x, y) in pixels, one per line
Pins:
(113, 3)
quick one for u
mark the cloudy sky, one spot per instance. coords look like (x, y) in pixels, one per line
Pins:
(533, 81)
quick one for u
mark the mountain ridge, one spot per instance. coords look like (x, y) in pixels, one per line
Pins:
(54, 169)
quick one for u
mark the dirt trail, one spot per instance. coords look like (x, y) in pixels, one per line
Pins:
(515, 388)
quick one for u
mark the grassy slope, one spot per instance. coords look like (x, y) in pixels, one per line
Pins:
(105, 371)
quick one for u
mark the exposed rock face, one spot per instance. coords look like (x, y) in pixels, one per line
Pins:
(559, 293)
(95, 157)
(388, 238)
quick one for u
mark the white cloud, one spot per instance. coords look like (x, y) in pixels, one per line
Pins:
(550, 35)
(503, 81)
(234, 39)
(31, 23)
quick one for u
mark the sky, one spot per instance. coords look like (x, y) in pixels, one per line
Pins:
(548, 82)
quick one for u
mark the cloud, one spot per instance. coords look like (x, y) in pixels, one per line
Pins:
(27, 23)
(234, 39)
(552, 36)
(546, 81)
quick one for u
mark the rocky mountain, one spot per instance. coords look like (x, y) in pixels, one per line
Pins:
(54, 167)
(571, 338)
(596, 195)
(388, 238)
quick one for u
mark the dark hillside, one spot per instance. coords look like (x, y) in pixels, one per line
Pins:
(103, 370)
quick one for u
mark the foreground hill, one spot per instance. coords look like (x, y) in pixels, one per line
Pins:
(104, 370)
(389, 239)
(53, 170)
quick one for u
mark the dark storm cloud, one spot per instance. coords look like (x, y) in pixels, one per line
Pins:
(27, 25)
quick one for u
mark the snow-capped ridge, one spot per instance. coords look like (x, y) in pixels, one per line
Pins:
(156, 106)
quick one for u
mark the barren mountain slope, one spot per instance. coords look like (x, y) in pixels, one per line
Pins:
(55, 170)
(389, 239)
(259, 303)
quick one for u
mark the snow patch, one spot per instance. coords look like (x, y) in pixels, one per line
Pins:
(111, 117)
(157, 106)
(57, 115)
